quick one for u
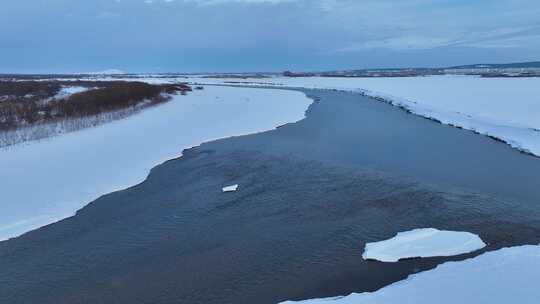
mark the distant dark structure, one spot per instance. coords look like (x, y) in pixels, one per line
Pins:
(293, 74)
(523, 69)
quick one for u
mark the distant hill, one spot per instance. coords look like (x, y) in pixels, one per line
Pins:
(517, 65)
(107, 72)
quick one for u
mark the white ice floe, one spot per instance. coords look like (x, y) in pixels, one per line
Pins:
(232, 188)
(48, 180)
(506, 108)
(422, 243)
(509, 275)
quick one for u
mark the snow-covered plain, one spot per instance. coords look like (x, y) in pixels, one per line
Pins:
(48, 180)
(509, 275)
(506, 108)
(422, 243)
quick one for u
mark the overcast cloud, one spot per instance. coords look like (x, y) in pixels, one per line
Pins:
(262, 35)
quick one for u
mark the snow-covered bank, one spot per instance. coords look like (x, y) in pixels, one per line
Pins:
(509, 275)
(47, 180)
(422, 243)
(55, 128)
(506, 108)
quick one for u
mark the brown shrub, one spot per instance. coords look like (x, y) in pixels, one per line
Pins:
(101, 98)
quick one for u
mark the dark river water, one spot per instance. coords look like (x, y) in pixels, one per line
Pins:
(311, 195)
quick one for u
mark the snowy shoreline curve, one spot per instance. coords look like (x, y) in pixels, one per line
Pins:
(67, 172)
(504, 109)
(500, 276)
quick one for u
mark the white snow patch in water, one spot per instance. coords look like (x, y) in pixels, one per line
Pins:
(232, 188)
(47, 180)
(508, 275)
(422, 243)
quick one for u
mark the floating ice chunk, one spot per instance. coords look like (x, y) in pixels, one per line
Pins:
(421, 243)
(232, 188)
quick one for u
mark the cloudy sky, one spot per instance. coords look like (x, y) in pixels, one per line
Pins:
(262, 35)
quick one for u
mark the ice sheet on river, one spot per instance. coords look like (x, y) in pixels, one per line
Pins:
(421, 243)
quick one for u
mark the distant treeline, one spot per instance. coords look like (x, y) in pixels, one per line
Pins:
(26, 103)
(29, 89)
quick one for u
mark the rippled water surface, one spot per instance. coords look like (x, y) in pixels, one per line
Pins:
(311, 195)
